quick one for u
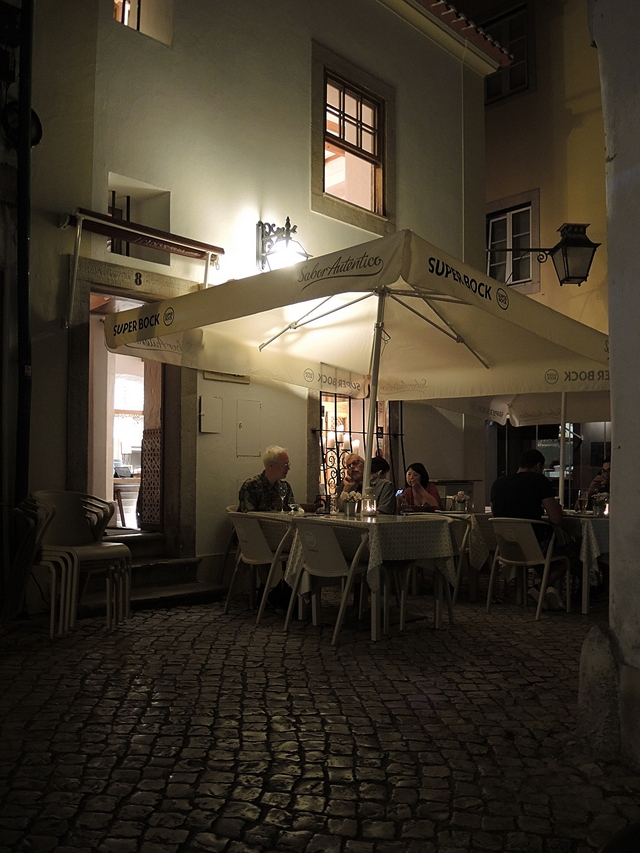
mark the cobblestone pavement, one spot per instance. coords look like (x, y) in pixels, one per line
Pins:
(188, 730)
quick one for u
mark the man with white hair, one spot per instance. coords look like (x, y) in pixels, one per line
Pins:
(268, 491)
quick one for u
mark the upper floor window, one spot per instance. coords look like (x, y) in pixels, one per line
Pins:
(352, 145)
(154, 18)
(134, 201)
(510, 230)
(352, 156)
(512, 30)
(513, 227)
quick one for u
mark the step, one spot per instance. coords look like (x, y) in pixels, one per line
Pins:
(164, 571)
(139, 542)
(156, 597)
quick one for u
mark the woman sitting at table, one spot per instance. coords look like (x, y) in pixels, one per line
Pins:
(420, 494)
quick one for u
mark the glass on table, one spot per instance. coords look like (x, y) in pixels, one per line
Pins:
(583, 500)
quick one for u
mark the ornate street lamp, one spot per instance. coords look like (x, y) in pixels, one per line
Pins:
(275, 246)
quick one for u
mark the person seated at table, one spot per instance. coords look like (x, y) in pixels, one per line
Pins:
(268, 491)
(420, 493)
(529, 494)
(382, 488)
(352, 482)
(602, 481)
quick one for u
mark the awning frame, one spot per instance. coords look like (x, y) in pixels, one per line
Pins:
(140, 235)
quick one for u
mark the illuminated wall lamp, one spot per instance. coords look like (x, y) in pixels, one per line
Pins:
(572, 256)
(275, 246)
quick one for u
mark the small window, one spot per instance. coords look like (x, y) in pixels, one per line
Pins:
(352, 144)
(513, 30)
(134, 201)
(509, 236)
(154, 18)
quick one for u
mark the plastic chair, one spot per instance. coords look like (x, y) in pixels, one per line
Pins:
(460, 529)
(31, 519)
(254, 551)
(75, 532)
(233, 539)
(518, 546)
(323, 558)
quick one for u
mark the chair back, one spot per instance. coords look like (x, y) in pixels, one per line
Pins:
(323, 556)
(253, 544)
(71, 526)
(32, 517)
(517, 541)
(459, 529)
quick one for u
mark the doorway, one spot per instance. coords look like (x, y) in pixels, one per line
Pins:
(124, 427)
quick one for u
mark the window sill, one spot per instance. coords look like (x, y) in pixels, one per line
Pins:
(351, 214)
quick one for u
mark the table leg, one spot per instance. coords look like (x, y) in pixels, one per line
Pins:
(586, 581)
(375, 615)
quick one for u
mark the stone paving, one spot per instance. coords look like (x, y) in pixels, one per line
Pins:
(187, 730)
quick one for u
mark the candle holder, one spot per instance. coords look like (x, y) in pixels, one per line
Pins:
(369, 504)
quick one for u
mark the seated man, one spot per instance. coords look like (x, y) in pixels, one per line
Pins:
(528, 494)
(382, 489)
(269, 490)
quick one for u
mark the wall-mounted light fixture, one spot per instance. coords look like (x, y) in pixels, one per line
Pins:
(275, 246)
(572, 256)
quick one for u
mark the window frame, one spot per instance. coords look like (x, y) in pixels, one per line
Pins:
(501, 14)
(530, 199)
(327, 64)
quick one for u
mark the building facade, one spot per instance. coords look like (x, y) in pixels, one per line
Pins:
(354, 119)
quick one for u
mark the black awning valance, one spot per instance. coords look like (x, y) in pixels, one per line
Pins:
(141, 235)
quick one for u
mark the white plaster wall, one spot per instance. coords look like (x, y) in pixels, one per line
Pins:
(434, 437)
(283, 421)
(221, 120)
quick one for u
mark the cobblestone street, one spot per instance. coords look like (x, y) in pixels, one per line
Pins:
(188, 730)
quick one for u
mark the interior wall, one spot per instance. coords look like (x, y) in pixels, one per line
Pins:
(435, 438)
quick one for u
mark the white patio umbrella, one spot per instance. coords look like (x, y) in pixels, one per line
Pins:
(392, 319)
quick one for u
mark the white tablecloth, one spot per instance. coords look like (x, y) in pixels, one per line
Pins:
(391, 537)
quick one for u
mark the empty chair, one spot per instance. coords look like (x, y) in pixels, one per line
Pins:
(32, 517)
(254, 550)
(518, 546)
(76, 531)
(460, 530)
(323, 558)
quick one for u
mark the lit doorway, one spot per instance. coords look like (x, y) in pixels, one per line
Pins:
(124, 434)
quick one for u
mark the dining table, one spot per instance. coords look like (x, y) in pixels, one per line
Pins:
(419, 536)
(592, 533)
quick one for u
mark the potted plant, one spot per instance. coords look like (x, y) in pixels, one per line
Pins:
(460, 501)
(349, 502)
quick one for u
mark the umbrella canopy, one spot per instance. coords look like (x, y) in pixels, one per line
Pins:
(531, 409)
(445, 329)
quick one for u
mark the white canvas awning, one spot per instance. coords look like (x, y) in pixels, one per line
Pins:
(531, 409)
(447, 330)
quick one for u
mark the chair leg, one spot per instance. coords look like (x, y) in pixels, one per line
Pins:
(267, 590)
(492, 578)
(543, 589)
(438, 581)
(293, 599)
(447, 595)
(232, 582)
(316, 603)
(343, 608)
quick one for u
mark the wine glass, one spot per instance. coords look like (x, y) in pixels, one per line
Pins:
(282, 490)
(583, 500)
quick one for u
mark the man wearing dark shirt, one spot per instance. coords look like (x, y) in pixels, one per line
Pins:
(269, 490)
(528, 494)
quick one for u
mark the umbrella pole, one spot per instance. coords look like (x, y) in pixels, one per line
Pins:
(563, 418)
(373, 388)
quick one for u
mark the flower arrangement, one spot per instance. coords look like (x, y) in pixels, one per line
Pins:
(600, 498)
(461, 497)
(350, 497)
